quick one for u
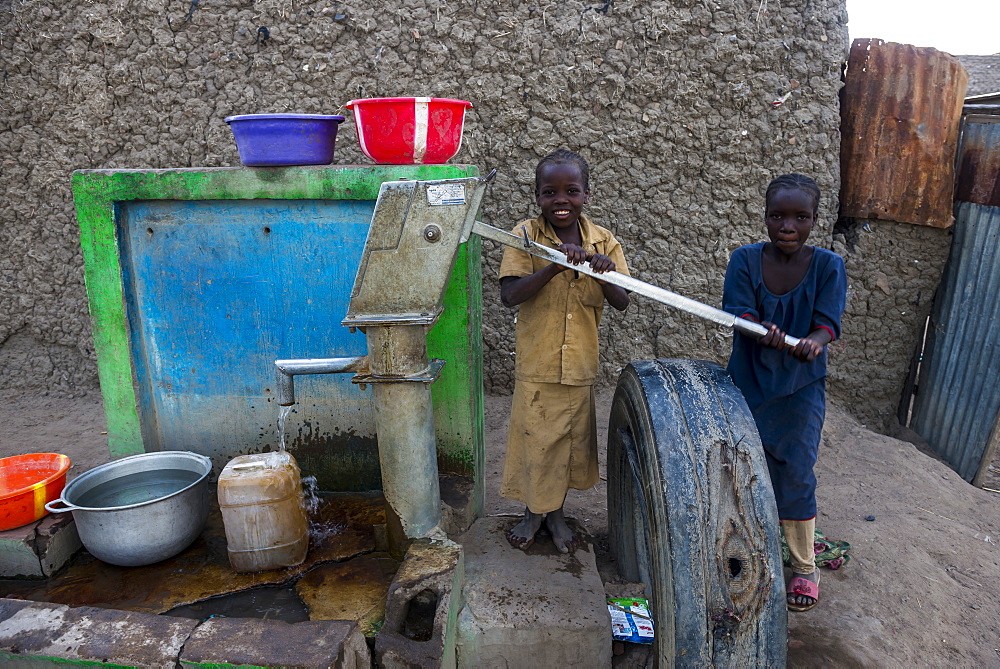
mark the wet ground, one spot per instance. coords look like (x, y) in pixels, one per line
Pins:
(345, 575)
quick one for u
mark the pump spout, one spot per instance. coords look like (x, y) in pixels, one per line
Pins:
(287, 370)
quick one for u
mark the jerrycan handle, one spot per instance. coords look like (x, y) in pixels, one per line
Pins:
(256, 464)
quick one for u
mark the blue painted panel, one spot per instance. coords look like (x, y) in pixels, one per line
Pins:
(215, 292)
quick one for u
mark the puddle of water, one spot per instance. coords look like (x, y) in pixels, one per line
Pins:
(268, 603)
(202, 573)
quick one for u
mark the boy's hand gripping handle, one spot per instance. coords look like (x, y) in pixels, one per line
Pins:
(656, 293)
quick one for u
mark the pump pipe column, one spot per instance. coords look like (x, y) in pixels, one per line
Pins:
(404, 422)
(416, 230)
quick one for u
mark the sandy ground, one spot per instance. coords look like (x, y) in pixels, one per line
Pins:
(921, 589)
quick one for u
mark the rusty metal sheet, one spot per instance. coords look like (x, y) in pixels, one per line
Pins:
(979, 161)
(900, 116)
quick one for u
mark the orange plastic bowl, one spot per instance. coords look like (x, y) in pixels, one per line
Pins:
(27, 483)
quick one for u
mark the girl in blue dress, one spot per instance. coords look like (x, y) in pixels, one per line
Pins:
(788, 287)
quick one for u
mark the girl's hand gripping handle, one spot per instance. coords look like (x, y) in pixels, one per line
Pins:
(759, 331)
(804, 349)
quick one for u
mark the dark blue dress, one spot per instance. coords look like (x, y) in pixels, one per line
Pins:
(787, 397)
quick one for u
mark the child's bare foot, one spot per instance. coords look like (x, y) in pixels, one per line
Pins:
(562, 536)
(522, 535)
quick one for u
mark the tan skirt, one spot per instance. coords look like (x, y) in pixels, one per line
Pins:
(551, 444)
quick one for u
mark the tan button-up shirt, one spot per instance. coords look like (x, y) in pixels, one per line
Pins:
(557, 328)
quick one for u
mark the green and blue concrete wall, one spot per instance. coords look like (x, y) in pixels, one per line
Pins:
(199, 278)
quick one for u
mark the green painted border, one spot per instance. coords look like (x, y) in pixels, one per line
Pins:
(96, 192)
(223, 665)
(50, 661)
(461, 327)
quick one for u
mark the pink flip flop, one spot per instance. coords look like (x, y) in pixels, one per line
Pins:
(800, 585)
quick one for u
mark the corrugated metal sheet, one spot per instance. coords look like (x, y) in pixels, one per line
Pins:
(979, 161)
(900, 112)
(957, 406)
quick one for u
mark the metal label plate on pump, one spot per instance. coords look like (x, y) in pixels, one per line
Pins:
(442, 194)
(416, 230)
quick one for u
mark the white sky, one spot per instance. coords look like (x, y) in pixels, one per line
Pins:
(959, 27)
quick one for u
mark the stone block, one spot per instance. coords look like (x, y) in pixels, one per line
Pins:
(422, 606)
(56, 542)
(532, 608)
(245, 642)
(41, 633)
(39, 549)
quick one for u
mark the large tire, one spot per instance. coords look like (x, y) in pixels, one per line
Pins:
(692, 515)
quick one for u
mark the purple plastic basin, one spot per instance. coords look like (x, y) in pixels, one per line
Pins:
(274, 140)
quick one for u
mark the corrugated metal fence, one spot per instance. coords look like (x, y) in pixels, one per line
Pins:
(979, 161)
(957, 406)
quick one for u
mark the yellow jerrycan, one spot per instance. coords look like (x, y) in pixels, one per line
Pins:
(263, 512)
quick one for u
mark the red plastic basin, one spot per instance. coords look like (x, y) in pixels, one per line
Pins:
(409, 130)
(27, 483)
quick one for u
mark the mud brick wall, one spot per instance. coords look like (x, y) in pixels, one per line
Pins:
(685, 110)
(894, 271)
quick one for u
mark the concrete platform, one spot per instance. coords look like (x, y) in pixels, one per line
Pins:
(478, 603)
(201, 574)
(530, 608)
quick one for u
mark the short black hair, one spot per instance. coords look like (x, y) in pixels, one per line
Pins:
(793, 182)
(564, 157)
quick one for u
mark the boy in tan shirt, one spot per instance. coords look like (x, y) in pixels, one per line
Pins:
(552, 439)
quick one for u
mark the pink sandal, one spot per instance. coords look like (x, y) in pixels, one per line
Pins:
(799, 585)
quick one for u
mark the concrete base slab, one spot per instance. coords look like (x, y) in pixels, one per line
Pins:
(530, 608)
(203, 571)
(43, 634)
(39, 549)
(243, 642)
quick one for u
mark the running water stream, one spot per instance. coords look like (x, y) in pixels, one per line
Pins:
(320, 528)
(283, 412)
(311, 500)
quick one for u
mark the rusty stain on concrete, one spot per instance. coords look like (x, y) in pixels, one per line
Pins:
(352, 590)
